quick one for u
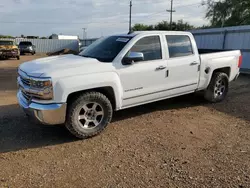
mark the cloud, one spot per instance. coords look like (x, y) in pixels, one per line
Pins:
(101, 17)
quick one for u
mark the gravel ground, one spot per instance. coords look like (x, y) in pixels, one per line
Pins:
(182, 142)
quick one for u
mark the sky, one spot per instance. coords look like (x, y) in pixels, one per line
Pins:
(100, 17)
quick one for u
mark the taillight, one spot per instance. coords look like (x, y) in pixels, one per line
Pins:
(240, 61)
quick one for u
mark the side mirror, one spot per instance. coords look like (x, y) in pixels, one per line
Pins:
(132, 57)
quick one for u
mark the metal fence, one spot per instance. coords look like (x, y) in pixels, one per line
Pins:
(50, 45)
(228, 38)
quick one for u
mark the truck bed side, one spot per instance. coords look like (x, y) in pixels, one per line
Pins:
(224, 61)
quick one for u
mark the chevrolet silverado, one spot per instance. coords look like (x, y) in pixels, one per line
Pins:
(118, 72)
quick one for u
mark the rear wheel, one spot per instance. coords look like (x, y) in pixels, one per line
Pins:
(218, 88)
(89, 115)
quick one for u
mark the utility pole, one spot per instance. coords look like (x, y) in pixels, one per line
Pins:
(130, 17)
(213, 14)
(84, 36)
(171, 14)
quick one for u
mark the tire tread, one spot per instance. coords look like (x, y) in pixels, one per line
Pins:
(209, 92)
(72, 110)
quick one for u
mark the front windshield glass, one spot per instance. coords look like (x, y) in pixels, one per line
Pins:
(6, 42)
(106, 49)
(25, 43)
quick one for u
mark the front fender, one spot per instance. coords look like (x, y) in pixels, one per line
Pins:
(68, 85)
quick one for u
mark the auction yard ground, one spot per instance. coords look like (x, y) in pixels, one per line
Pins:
(182, 142)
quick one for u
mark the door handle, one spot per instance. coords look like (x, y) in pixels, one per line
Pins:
(193, 63)
(160, 68)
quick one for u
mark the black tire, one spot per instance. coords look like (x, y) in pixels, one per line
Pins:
(211, 93)
(33, 53)
(75, 126)
(18, 57)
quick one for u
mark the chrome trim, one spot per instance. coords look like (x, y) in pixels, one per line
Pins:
(50, 114)
(160, 91)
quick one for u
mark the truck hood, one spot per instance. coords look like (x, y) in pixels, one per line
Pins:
(7, 47)
(62, 66)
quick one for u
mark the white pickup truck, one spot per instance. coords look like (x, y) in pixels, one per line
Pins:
(118, 72)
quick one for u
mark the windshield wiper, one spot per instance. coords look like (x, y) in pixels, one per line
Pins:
(88, 56)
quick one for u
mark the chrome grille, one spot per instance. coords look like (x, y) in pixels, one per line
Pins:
(26, 96)
(24, 78)
(7, 50)
(25, 81)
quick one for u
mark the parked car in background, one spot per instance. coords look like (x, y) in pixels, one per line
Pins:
(120, 72)
(27, 47)
(9, 49)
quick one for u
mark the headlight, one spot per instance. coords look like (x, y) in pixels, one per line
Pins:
(41, 88)
(40, 83)
(1, 52)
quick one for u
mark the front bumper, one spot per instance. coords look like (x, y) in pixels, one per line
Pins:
(9, 54)
(27, 50)
(50, 114)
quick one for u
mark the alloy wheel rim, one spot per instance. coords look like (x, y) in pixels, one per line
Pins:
(220, 88)
(91, 115)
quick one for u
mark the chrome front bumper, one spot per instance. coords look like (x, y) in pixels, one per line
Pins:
(50, 114)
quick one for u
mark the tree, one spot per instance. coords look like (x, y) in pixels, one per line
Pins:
(180, 25)
(228, 12)
(6, 36)
(142, 27)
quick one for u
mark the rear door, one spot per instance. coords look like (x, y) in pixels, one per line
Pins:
(183, 64)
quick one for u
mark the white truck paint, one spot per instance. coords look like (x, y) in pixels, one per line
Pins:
(132, 84)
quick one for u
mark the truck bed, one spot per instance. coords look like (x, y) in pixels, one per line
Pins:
(207, 51)
(214, 59)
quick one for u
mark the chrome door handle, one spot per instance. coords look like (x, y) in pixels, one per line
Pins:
(160, 68)
(193, 63)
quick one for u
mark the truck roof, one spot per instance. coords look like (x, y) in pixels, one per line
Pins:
(154, 32)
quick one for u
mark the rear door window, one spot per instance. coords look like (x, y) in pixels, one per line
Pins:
(179, 46)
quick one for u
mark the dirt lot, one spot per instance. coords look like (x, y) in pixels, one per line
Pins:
(182, 142)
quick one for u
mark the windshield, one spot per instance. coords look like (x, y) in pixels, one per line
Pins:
(106, 49)
(6, 42)
(25, 43)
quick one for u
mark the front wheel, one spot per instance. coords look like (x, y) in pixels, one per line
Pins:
(89, 115)
(218, 88)
(18, 57)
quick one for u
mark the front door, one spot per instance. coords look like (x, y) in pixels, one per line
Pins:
(143, 80)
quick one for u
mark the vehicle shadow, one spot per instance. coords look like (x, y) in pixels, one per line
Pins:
(169, 104)
(237, 103)
(18, 133)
